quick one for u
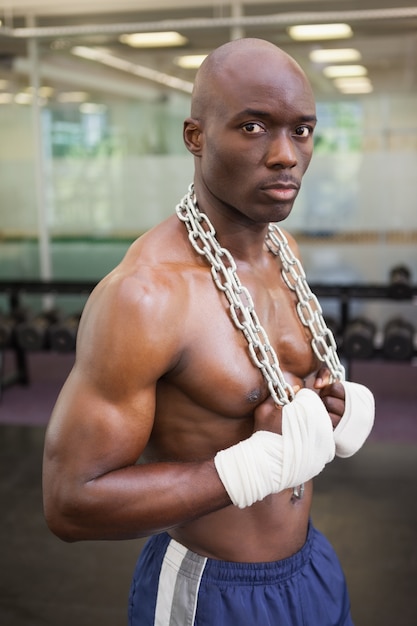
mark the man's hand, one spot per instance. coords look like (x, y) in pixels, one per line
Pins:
(290, 445)
(332, 395)
(268, 416)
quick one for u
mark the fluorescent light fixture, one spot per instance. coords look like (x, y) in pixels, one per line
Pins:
(92, 108)
(43, 92)
(190, 61)
(335, 55)
(23, 98)
(104, 57)
(311, 32)
(153, 40)
(353, 80)
(335, 71)
(356, 90)
(6, 98)
(72, 97)
(360, 84)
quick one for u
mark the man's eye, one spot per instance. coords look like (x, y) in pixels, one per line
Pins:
(303, 131)
(253, 128)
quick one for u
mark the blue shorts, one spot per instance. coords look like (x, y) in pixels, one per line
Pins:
(173, 586)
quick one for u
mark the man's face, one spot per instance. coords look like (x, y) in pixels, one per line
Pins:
(257, 139)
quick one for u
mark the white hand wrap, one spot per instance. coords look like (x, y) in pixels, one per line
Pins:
(267, 463)
(357, 421)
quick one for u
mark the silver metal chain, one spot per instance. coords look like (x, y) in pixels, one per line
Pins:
(202, 236)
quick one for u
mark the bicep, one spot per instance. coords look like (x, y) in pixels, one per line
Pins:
(89, 435)
(104, 414)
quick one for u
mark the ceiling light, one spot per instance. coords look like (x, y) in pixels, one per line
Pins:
(23, 98)
(153, 40)
(334, 71)
(72, 96)
(311, 32)
(360, 84)
(334, 55)
(190, 61)
(357, 89)
(43, 92)
(6, 98)
(104, 57)
(92, 108)
(353, 80)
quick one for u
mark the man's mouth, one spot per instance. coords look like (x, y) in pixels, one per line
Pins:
(281, 191)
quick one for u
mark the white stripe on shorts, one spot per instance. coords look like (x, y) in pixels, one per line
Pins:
(179, 582)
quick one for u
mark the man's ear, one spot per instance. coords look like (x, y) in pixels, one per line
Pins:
(193, 136)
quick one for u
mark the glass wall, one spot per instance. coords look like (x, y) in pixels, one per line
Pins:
(114, 165)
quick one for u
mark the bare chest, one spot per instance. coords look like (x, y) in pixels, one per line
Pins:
(217, 367)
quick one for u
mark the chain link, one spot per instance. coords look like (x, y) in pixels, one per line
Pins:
(202, 236)
(308, 307)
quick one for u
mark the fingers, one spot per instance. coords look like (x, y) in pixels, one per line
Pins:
(335, 390)
(332, 394)
(323, 378)
(268, 416)
(333, 398)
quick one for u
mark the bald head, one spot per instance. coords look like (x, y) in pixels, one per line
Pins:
(251, 129)
(233, 63)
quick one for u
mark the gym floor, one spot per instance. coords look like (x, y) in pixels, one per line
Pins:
(366, 505)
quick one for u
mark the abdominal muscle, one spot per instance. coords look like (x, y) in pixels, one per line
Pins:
(204, 422)
(271, 530)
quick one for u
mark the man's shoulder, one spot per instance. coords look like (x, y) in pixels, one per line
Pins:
(164, 243)
(153, 268)
(164, 255)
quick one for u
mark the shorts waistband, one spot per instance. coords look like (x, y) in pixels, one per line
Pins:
(269, 572)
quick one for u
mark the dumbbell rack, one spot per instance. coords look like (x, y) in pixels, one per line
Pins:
(15, 290)
(345, 294)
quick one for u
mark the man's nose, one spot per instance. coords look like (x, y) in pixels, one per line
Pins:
(282, 152)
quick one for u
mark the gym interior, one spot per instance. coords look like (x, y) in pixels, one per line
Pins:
(90, 124)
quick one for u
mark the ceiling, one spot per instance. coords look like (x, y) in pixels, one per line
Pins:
(384, 32)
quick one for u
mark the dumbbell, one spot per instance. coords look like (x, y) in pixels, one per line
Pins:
(32, 334)
(398, 342)
(8, 323)
(400, 283)
(359, 339)
(63, 334)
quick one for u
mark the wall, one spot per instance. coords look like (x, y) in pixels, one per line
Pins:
(115, 171)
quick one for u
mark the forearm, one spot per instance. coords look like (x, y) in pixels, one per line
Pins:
(133, 502)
